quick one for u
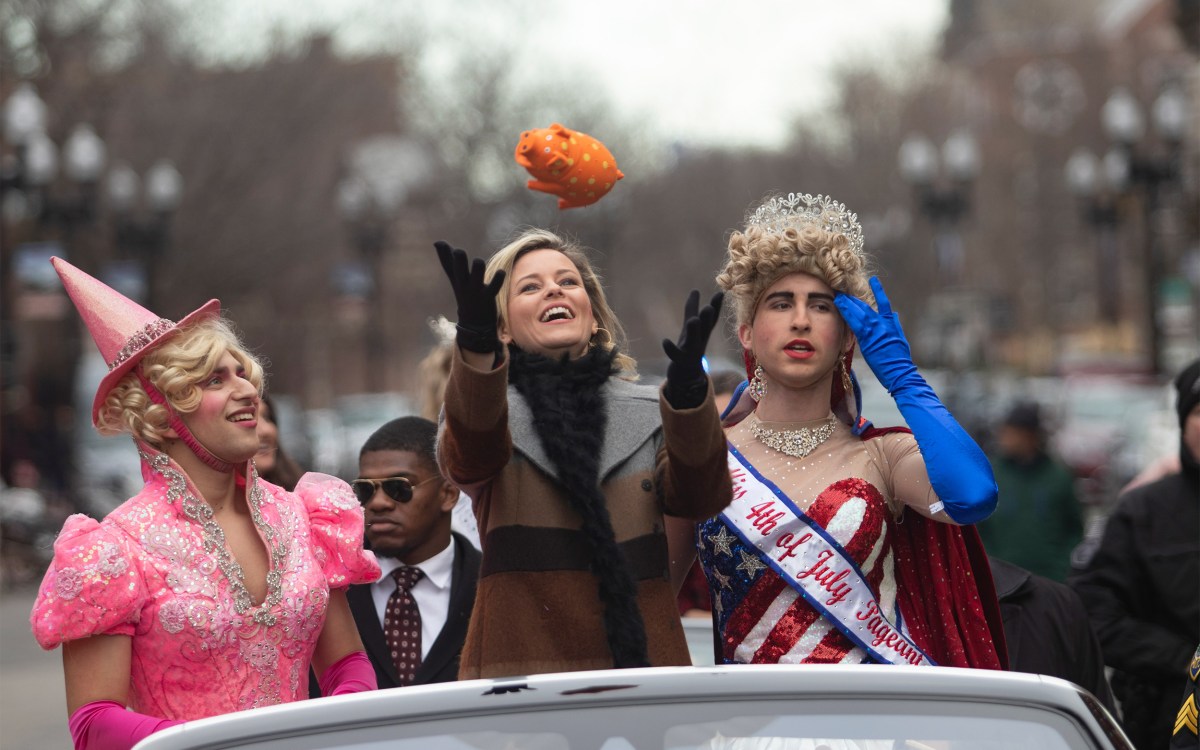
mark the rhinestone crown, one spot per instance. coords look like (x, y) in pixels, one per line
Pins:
(802, 209)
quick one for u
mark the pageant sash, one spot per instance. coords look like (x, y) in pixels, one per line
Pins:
(814, 564)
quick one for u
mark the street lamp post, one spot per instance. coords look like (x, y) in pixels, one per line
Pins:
(143, 236)
(946, 202)
(1095, 183)
(368, 225)
(1132, 164)
(45, 196)
(383, 174)
(38, 352)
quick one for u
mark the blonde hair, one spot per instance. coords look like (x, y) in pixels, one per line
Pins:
(176, 367)
(610, 335)
(757, 258)
(432, 375)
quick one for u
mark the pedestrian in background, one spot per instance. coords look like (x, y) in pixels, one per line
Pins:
(1038, 520)
(1047, 630)
(272, 462)
(1142, 587)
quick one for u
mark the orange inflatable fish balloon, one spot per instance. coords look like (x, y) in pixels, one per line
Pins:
(574, 166)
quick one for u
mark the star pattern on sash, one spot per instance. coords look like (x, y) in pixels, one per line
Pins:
(721, 579)
(750, 563)
(722, 540)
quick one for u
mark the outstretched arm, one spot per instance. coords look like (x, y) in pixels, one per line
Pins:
(477, 316)
(958, 469)
(693, 470)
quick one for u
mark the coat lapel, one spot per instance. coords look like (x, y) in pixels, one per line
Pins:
(630, 425)
(362, 607)
(445, 651)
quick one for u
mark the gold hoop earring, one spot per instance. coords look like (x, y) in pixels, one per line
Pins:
(758, 385)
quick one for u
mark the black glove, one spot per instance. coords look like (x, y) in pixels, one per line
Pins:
(687, 384)
(476, 300)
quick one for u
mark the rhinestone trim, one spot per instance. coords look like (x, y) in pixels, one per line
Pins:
(797, 443)
(214, 539)
(800, 209)
(150, 332)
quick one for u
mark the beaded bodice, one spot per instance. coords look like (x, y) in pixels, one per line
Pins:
(158, 569)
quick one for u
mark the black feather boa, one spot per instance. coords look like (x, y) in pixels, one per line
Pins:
(567, 404)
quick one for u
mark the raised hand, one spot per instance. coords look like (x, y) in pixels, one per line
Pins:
(880, 337)
(958, 469)
(687, 383)
(476, 300)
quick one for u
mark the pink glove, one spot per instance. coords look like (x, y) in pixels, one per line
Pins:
(352, 673)
(106, 725)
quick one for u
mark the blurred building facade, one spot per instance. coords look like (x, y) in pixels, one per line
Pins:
(1106, 276)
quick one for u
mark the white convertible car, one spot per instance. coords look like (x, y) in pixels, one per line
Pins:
(757, 707)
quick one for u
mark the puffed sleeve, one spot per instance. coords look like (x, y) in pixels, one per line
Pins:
(336, 526)
(93, 586)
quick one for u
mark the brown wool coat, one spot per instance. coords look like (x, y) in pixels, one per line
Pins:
(537, 607)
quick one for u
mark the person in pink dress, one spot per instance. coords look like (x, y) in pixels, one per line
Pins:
(211, 590)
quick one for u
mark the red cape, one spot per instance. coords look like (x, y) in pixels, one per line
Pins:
(944, 589)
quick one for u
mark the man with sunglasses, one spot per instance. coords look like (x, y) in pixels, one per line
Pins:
(407, 506)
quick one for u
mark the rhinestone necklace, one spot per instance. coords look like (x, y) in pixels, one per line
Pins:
(798, 443)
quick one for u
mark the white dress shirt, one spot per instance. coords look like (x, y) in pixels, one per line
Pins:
(432, 592)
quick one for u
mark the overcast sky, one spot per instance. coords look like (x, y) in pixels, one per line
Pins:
(708, 71)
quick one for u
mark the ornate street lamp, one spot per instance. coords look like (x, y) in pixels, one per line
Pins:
(1095, 184)
(381, 175)
(943, 202)
(143, 236)
(1132, 166)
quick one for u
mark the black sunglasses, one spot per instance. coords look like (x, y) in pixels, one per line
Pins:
(399, 489)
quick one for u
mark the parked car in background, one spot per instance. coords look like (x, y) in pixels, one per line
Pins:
(772, 707)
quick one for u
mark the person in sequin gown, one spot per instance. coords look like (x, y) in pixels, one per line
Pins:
(211, 590)
(886, 505)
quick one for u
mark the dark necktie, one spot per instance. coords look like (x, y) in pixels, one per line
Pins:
(402, 624)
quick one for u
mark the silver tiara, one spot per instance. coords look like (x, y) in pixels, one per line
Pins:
(801, 209)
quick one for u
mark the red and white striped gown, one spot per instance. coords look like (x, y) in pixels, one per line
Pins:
(847, 486)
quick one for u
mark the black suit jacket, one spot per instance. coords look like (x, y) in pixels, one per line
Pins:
(1047, 629)
(441, 665)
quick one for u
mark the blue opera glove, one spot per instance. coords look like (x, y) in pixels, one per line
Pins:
(957, 467)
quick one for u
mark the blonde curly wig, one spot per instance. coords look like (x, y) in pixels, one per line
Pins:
(176, 367)
(757, 258)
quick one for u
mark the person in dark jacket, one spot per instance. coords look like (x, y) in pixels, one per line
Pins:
(1038, 520)
(1187, 734)
(1047, 630)
(1141, 589)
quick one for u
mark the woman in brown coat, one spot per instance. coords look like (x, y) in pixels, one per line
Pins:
(571, 465)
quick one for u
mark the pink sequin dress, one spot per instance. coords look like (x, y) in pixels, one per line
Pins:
(157, 568)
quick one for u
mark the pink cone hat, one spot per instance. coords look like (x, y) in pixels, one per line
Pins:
(123, 330)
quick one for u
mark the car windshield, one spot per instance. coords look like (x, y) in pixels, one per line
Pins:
(853, 724)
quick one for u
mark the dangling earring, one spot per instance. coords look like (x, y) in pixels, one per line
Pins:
(758, 385)
(847, 386)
